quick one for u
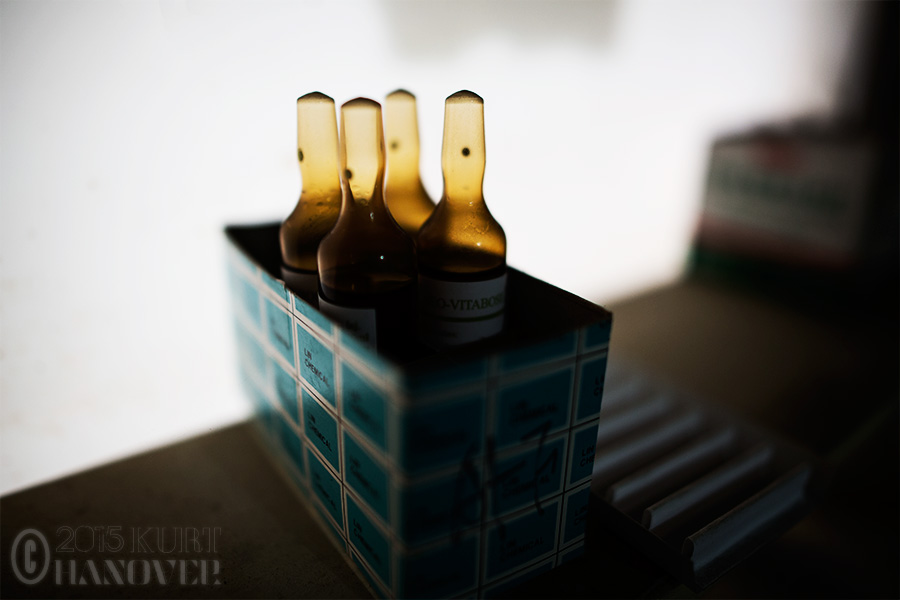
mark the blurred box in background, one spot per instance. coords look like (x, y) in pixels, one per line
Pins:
(809, 209)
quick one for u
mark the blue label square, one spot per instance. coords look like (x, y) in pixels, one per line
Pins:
(443, 434)
(436, 509)
(312, 315)
(371, 544)
(539, 353)
(450, 377)
(527, 477)
(335, 531)
(248, 299)
(325, 487)
(278, 323)
(292, 445)
(286, 390)
(442, 572)
(596, 336)
(321, 429)
(373, 583)
(501, 590)
(363, 405)
(276, 286)
(570, 554)
(583, 444)
(538, 406)
(593, 373)
(366, 477)
(251, 354)
(261, 405)
(519, 541)
(576, 514)
(270, 422)
(364, 352)
(316, 364)
(246, 381)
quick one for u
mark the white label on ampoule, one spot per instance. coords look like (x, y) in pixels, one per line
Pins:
(358, 321)
(458, 312)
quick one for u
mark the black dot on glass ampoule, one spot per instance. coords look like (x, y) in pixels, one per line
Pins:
(348, 174)
(395, 144)
(300, 155)
(465, 152)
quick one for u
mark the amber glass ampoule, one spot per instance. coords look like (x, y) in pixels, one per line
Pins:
(320, 197)
(404, 193)
(461, 247)
(367, 263)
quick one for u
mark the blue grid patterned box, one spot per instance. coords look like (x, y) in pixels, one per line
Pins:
(461, 474)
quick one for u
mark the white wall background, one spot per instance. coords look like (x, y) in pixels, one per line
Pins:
(131, 132)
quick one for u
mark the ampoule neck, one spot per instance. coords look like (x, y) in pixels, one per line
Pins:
(317, 145)
(362, 158)
(463, 150)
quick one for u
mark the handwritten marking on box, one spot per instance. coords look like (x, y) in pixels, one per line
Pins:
(439, 508)
(526, 477)
(533, 406)
(515, 542)
(438, 435)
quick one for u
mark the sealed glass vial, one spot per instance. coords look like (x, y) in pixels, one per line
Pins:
(320, 198)
(461, 247)
(367, 263)
(404, 193)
